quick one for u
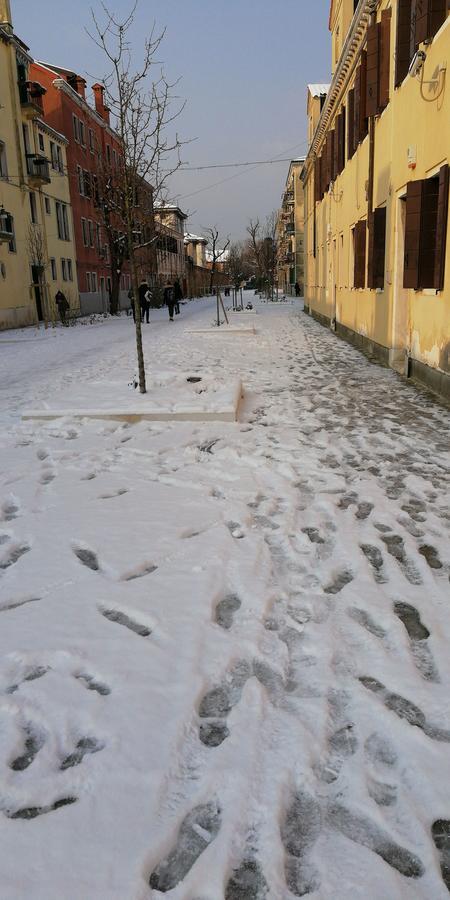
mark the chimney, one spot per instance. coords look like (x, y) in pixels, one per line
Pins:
(77, 83)
(100, 107)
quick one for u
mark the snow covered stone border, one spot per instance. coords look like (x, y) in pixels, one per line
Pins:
(219, 404)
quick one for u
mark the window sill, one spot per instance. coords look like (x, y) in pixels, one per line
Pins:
(428, 292)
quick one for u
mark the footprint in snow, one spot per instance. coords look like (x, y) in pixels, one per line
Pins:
(364, 831)
(32, 674)
(339, 582)
(440, 831)
(366, 621)
(93, 684)
(84, 746)
(32, 812)
(14, 554)
(225, 611)
(10, 507)
(300, 830)
(33, 742)
(247, 882)
(87, 557)
(431, 555)
(382, 757)
(121, 618)
(197, 831)
(235, 530)
(404, 709)
(418, 634)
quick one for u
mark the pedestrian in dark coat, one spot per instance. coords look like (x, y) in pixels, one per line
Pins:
(297, 289)
(178, 295)
(62, 305)
(169, 298)
(143, 288)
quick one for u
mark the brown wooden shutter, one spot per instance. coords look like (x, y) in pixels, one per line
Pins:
(336, 133)
(317, 195)
(422, 17)
(437, 11)
(351, 124)
(341, 154)
(331, 157)
(403, 41)
(377, 249)
(441, 229)
(361, 125)
(385, 59)
(414, 192)
(360, 255)
(428, 224)
(373, 54)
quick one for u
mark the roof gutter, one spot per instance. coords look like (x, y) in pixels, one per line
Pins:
(349, 50)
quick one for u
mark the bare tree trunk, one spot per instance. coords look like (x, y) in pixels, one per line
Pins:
(137, 315)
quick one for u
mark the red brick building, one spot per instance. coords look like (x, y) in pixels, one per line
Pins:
(89, 134)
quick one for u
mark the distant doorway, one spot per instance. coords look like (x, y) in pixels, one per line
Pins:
(36, 274)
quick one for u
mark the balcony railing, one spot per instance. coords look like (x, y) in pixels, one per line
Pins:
(31, 94)
(288, 196)
(289, 229)
(38, 169)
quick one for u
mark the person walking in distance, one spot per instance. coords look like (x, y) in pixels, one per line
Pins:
(169, 298)
(143, 288)
(178, 295)
(148, 300)
(297, 289)
(62, 305)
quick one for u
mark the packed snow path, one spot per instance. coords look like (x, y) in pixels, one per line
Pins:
(224, 666)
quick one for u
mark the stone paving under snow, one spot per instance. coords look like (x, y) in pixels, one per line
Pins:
(224, 647)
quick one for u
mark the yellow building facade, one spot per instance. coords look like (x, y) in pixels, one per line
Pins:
(290, 231)
(37, 253)
(376, 184)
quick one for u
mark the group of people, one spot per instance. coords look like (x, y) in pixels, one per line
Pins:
(172, 296)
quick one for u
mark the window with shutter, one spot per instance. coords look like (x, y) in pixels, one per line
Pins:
(335, 172)
(317, 196)
(359, 238)
(341, 158)
(361, 124)
(428, 226)
(441, 229)
(351, 124)
(385, 59)
(412, 234)
(405, 44)
(377, 249)
(373, 52)
(430, 15)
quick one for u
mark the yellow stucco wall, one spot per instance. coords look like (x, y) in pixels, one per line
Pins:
(15, 301)
(398, 319)
(17, 295)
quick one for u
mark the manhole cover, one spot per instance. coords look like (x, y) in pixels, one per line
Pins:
(193, 379)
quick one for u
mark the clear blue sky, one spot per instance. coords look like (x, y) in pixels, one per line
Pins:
(244, 64)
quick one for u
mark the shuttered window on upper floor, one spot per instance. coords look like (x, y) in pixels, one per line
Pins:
(417, 22)
(378, 64)
(426, 232)
(359, 254)
(351, 124)
(377, 249)
(360, 120)
(317, 179)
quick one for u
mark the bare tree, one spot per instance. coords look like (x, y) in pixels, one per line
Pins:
(144, 106)
(238, 263)
(212, 234)
(263, 248)
(38, 258)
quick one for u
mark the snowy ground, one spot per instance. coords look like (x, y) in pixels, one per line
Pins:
(224, 666)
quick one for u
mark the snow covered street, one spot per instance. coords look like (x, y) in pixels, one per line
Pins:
(224, 647)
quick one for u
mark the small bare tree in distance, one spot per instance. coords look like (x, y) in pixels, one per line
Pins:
(144, 106)
(212, 234)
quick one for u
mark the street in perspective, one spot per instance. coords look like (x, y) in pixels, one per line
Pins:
(224, 453)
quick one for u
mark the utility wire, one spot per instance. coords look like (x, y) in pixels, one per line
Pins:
(254, 166)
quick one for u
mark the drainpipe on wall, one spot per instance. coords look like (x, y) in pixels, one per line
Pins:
(373, 17)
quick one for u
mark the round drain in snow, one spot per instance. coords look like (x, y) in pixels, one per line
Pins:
(193, 379)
